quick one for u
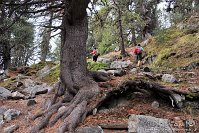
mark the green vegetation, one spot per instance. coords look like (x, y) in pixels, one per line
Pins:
(53, 76)
(9, 84)
(96, 66)
(174, 48)
(36, 67)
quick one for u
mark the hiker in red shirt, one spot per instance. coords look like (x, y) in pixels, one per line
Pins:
(95, 54)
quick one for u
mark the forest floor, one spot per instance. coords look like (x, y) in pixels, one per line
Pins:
(138, 103)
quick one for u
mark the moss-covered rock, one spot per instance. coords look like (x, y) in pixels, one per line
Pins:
(36, 67)
(53, 76)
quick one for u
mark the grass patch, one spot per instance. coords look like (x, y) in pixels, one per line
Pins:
(96, 65)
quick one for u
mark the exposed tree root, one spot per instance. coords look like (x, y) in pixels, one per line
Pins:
(72, 114)
(71, 122)
(139, 85)
(85, 101)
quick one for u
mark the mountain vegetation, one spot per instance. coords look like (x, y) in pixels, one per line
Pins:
(32, 64)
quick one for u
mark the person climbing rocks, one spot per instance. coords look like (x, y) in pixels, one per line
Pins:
(138, 50)
(95, 54)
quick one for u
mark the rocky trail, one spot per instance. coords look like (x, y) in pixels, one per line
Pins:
(110, 115)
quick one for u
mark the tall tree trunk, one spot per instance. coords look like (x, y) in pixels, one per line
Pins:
(123, 52)
(5, 48)
(133, 39)
(46, 39)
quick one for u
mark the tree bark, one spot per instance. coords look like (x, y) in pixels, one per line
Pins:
(46, 39)
(123, 52)
(75, 83)
(133, 38)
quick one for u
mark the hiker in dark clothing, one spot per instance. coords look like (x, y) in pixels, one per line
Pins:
(138, 52)
(95, 54)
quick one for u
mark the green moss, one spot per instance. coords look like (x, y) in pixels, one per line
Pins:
(174, 48)
(96, 66)
(53, 76)
(9, 84)
(36, 67)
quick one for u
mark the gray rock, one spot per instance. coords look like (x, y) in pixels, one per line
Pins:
(155, 104)
(11, 114)
(148, 124)
(11, 129)
(37, 89)
(133, 71)
(104, 60)
(169, 78)
(4, 93)
(102, 70)
(120, 64)
(91, 129)
(110, 72)
(17, 95)
(119, 72)
(31, 102)
(29, 83)
(43, 72)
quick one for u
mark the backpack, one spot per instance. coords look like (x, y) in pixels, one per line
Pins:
(137, 50)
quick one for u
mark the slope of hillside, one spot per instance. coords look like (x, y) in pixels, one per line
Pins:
(175, 47)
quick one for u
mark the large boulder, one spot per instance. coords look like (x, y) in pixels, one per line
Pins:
(91, 129)
(120, 64)
(169, 78)
(43, 72)
(104, 60)
(37, 89)
(148, 124)
(33, 88)
(4, 93)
